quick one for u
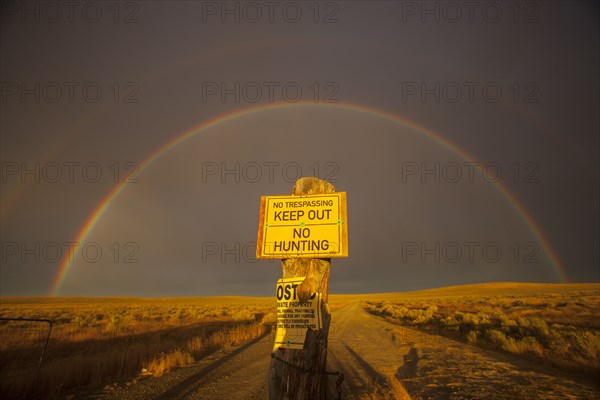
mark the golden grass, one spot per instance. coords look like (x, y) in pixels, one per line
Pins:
(172, 359)
(98, 341)
(556, 324)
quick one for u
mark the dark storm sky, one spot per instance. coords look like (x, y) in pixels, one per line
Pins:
(104, 86)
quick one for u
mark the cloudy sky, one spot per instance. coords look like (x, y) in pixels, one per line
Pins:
(137, 138)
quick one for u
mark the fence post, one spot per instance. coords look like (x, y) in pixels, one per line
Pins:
(39, 363)
(301, 375)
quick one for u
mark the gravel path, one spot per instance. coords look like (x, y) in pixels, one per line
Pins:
(380, 360)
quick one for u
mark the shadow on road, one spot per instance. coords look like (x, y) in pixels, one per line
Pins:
(409, 367)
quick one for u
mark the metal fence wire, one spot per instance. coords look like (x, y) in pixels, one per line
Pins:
(23, 343)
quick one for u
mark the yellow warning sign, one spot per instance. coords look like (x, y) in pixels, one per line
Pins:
(294, 317)
(311, 226)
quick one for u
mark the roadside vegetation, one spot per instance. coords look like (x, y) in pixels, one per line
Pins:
(100, 341)
(558, 325)
(97, 342)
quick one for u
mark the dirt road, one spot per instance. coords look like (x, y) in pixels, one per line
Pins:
(379, 360)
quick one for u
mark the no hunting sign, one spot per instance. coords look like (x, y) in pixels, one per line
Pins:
(309, 226)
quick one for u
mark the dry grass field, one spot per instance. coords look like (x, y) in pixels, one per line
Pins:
(97, 341)
(558, 325)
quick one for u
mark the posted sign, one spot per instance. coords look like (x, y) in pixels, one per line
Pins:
(293, 316)
(309, 226)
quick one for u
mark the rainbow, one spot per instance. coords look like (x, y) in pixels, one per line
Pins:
(101, 208)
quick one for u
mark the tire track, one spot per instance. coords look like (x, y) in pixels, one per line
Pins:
(362, 380)
(237, 373)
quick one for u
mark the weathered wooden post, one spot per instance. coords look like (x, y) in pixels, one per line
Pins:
(316, 228)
